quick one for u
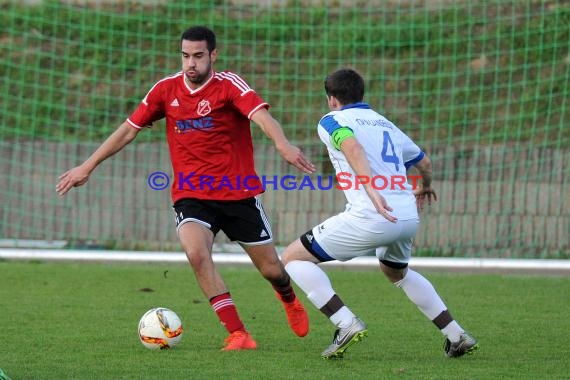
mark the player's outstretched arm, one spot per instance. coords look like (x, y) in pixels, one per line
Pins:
(79, 175)
(354, 153)
(424, 193)
(273, 130)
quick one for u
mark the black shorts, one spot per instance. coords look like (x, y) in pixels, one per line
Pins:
(243, 221)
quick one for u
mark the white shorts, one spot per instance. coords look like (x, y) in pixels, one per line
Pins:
(344, 237)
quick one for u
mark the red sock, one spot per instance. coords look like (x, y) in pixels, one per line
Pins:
(224, 307)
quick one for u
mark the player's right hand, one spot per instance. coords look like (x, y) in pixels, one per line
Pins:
(77, 176)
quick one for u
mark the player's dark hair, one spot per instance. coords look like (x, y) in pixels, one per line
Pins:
(200, 33)
(346, 85)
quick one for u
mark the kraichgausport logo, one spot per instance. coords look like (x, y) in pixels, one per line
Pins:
(343, 180)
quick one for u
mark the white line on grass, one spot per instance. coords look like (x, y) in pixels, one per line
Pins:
(469, 264)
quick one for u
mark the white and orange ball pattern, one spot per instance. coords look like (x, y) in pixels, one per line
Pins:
(160, 328)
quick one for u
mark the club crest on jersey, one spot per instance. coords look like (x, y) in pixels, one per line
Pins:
(204, 108)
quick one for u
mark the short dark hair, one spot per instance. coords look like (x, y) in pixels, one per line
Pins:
(200, 33)
(346, 85)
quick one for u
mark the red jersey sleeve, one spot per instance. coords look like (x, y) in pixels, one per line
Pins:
(150, 109)
(243, 97)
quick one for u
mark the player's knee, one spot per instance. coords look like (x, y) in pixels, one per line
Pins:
(286, 257)
(393, 271)
(296, 251)
(198, 258)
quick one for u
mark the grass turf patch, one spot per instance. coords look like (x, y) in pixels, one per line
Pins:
(71, 320)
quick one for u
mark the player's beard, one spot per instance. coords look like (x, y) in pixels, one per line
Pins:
(199, 78)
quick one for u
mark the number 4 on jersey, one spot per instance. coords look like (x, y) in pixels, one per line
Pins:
(386, 156)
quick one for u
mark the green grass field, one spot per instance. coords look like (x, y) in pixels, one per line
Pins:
(79, 321)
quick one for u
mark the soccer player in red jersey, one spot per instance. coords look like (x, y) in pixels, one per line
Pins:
(215, 185)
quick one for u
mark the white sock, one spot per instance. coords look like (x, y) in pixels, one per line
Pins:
(312, 280)
(453, 331)
(342, 318)
(318, 288)
(422, 293)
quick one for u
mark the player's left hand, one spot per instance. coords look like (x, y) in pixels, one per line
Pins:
(295, 157)
(424, 195)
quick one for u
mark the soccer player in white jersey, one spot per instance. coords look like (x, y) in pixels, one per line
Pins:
(371, 155)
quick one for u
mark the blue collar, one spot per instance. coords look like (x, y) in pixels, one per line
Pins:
(355, 105)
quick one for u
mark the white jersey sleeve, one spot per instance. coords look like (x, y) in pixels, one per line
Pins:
(411, 153)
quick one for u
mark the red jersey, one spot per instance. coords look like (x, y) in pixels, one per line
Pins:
(208, 133)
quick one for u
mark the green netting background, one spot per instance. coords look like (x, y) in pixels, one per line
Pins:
(481, 86)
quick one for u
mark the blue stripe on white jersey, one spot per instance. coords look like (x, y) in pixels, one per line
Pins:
(414, 161)
(330, 124)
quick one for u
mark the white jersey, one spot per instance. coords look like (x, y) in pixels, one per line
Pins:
(389, 151)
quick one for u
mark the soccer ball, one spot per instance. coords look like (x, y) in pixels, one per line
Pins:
(160, 328)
